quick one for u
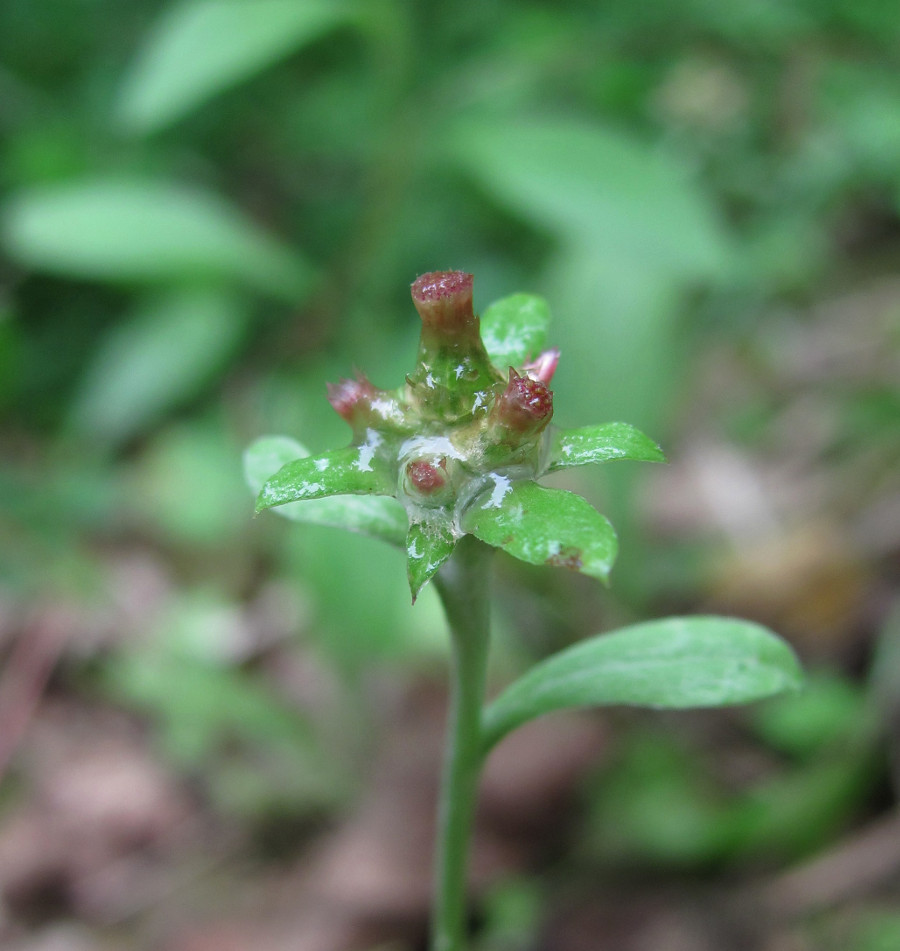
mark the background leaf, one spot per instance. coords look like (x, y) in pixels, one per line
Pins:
(202, 47)
(514, 329)
(673, 663)
(378, 516)
(543, 527)
(602, 443)
(155, 360)
(134, 230)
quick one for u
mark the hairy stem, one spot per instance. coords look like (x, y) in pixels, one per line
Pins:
(463, 586)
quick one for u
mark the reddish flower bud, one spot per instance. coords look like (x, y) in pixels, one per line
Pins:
(352, 400)
(544, 366)
(425, 477)
(444, 302)
(525, 406)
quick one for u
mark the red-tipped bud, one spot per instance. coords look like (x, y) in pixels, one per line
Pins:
(352, 400)
(525, 406)
(444, 302)
(425, 477)
(544, 366)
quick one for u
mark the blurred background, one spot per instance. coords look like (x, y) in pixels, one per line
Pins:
(220, 732)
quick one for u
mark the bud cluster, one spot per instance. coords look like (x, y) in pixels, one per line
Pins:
(459, 419)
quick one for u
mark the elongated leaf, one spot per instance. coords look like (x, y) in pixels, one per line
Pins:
(428, 546)
(514, 329)
(596, 186)
(543, 527)
(577, 447)
(156, 359)
(673, 663)
(378, 516)
(146, 231)
(202, 47)
(351, 471)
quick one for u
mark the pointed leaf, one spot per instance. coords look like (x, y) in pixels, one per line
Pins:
(378, 516)
(200, 47)
(428, 546)
(350, 471)
(577, 447)
(138, 230)
(672, 663)
(543, 526)
(514, 329)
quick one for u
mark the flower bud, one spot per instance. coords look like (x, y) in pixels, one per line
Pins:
(525, 406)
(444, 302)
(426, 482)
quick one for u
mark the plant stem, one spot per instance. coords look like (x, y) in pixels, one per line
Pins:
(463, 586)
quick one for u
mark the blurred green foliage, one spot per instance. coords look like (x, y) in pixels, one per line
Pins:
(211, 207)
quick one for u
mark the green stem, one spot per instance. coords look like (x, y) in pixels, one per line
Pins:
(463, 586)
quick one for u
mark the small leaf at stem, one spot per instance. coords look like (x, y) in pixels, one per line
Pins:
(673, 663)
(603, 443)
(428, 546)
(351, 471)
(377, 516)
(543, 527)
(514, 329)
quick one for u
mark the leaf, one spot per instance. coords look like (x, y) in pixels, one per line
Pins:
(377, 516)
(428, 546)
(117, 230)
(543, 526)
(514, 329)
(674, 663)
(202, 47)
(155, 360)
(354, 470)
(593, 185)
(608, 441)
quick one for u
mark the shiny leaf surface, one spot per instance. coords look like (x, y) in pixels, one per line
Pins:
(349, 471)
(378, 516)
(602, 443)
(543, 527)
(428, 546)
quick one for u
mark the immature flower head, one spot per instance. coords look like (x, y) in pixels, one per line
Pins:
(444, 302)
(352, 400)
(525, 406)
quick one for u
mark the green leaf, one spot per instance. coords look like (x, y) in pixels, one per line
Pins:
(155, 360)
(514, 329)
(377, 516)
(673, 663)
(428, 546)
(202, 47)
(543, 526)
(133, 230)
(577, 447)
(354, 470)
(595, 186)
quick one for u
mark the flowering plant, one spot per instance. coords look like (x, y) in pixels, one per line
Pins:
(446, 467)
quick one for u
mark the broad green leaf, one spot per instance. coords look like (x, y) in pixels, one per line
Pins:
(674, 663)
(378, 516)
(602, 443)
(154, 360)
(354, 470)
(202, 47)
(543, 526)
(596, 186)
(514, 329)
(134, 230)
(428, 546)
